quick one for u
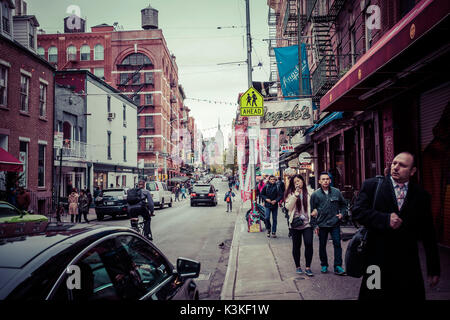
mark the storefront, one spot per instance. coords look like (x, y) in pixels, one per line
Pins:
(110, 176)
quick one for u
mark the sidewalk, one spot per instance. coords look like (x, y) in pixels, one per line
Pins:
(262, 268)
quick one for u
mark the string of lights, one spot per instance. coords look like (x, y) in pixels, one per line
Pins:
(212, 101)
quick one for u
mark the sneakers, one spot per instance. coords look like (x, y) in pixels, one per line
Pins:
(309, 273)
(324, 269)
(299, 270)
(339, 271)
(274, 235)
(268, 234)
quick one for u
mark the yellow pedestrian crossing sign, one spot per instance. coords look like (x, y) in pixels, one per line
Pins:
(252, 103)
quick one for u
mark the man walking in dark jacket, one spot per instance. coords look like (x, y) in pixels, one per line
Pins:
(328, 209)
(271, 195)
(400, 216)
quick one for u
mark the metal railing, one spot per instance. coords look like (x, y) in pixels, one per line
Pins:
(75, 149)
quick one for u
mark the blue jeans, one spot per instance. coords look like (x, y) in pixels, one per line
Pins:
(323, 237)
(274, 219)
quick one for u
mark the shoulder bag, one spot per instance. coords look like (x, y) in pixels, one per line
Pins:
(357, 248)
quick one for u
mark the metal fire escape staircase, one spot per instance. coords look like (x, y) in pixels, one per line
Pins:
(272, 21)
(326, 73)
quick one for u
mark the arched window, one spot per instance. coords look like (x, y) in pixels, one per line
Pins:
(136, 59)
(52, 54)
(85, 53)
(41, 52)
(98, 52)
(71, 53)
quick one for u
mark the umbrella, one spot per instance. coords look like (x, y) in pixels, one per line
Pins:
(9, 163)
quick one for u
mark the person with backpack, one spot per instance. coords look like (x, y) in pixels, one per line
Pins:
(137, 206)
(271, 195)
(229, 199)
(83, 206)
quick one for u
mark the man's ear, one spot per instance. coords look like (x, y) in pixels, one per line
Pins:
(413, 171)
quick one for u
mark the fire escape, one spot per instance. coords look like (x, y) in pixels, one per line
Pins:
(273, 19)
(323, 22)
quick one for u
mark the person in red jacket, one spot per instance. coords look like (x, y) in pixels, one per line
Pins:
(23, 199)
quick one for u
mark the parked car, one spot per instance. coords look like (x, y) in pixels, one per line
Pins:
(161, 195)
(72, 262)
(111, 202)
(203, 193)
(17, 222)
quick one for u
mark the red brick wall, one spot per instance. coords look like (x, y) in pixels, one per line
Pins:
(29, 125)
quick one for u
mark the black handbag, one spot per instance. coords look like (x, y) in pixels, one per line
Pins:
(297, 222)
(355, 255)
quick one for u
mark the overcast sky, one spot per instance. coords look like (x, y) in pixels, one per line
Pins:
(190, 30)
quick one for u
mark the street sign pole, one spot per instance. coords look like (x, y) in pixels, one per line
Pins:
(252, 155)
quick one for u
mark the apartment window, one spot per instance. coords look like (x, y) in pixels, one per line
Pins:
(148, 77)
(149, 99)
(32, 36)
(3, 85)
(109, 145)
(41, 52)
(124, 78)
(23, 157)
(353, 45)
(6, 21)
(124, 149)
(108, 103)
(149, 121)
(24, 90)
(43, 100)
(98, 52)
(99, 72)
(137, 78)
(71, 53)
(148, 144)
(53, 54)
(85, 53)
(135, 59)
(136, 99)
(41, 166)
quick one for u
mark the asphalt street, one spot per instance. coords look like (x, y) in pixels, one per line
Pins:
(202, 233)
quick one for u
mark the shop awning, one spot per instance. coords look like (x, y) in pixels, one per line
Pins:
(391, 58)
(9, 163)
(327, 119)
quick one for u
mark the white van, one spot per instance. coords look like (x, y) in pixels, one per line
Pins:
(160, 193)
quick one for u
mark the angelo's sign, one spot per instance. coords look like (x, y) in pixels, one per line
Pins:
(288, 113)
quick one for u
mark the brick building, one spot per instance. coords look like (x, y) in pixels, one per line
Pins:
(379, 78)
(26, 103)
(139, 64)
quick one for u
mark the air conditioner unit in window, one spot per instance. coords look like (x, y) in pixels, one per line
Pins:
(111, 115)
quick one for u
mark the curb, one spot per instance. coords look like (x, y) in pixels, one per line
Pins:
(230, 277)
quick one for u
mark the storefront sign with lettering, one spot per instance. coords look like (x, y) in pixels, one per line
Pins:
(288, 113)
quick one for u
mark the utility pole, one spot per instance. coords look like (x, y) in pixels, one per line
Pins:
(299, 36)
(254, 128)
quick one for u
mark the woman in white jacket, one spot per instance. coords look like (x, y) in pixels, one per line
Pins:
(297, 202)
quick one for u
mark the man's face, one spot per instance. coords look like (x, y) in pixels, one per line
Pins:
(324, 181)
(272, 180)
(402, 168)
(141, 185)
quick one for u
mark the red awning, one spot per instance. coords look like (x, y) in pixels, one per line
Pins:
(8, 162)
(351, 91)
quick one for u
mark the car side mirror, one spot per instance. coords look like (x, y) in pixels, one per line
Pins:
(188, 268)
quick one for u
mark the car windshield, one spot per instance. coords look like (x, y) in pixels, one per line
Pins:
(113, 194)
(201, 189)
(151, 186)
(7, 211)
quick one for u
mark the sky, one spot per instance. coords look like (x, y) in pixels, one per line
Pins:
(206, 56)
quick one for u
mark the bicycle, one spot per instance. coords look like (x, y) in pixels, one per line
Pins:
(138, 226)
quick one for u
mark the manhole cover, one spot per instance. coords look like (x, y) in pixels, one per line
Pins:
(203, 276)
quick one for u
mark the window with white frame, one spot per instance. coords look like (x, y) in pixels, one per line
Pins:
(98, 52)
(41, 165)
(6, 17)
(3, 85)
(32, 36)
(71, 53)
(148, 144)
(99, 72)
(42, 100)
(85, 53)
(52, 54)
(41, 52)
(23, 157)
(24, 92)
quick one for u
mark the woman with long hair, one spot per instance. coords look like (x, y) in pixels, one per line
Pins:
(297, 199)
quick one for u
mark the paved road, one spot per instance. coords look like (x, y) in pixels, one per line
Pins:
(195, 233)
